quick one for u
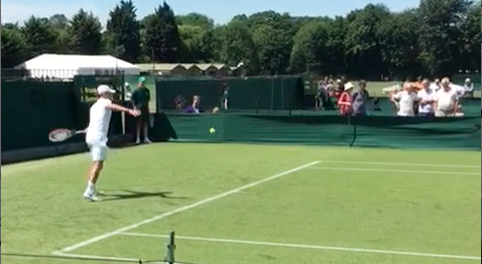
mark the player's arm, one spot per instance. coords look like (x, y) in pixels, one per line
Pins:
(119, 108)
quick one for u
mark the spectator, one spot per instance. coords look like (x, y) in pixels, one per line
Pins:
(445, 103)
(320, 95)
(405, 100)
(468, 88)
(426, 99)
(345, 100)
(195, 107)
(225, 97)
(360, 99)
(140, 98)
(435, 85)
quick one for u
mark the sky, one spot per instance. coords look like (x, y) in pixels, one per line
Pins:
(219, 10)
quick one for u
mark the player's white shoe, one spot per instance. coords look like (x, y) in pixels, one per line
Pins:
(91, 197)
(138, 141)
(147, 140)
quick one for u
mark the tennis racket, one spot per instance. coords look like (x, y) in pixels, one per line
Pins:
(62, 134)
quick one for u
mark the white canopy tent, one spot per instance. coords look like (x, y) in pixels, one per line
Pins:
(60, 66)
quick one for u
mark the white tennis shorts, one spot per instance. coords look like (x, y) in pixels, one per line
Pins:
(98, 149)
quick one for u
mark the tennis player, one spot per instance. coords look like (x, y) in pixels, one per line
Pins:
(96, 135)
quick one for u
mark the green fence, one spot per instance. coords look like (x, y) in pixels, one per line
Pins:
(31, 109)
(370, 131)
(274, 93)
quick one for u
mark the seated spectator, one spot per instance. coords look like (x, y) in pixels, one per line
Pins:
(426, 99)
(468, 88)
(345, 100)
(446, 101)
(405, 100)
(195, 107)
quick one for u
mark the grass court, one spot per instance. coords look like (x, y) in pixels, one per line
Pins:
(243, 204)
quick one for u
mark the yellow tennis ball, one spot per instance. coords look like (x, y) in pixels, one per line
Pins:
(212, 130)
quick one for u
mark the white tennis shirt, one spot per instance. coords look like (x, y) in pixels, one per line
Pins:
(99, 121)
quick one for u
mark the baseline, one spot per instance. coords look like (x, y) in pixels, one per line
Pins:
(401, 164)
(395, 171)
(182, 209)
(301, 246)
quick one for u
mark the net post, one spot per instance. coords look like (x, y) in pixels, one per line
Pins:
(171, 246)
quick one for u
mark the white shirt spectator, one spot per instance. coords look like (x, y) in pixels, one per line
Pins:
(458, 89)
(426, 95)
(446, 100)
(434, 86)
(406, 102)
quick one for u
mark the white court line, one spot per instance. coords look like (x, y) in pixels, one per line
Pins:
(440, 165)
(328, 248)
(396, 171)
(91, 257)
(184, 208)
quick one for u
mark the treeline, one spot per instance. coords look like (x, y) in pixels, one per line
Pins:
(438, 37)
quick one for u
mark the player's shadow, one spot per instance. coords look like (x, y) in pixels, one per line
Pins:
(115, 195)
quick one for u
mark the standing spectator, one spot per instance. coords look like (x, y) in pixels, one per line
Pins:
(405, 100)
(140, 98)
(320, 94)
(345, 100)
(225, 97)
(445, 103)
(426, 99)
(360, 99)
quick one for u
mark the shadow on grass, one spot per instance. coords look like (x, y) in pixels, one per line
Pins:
(115, 195)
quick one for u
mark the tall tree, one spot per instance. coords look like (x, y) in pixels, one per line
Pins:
(440, 33)
(85, 34)
(238, 46)
(13, 46)
(40, 36)
(309, 53)
(362, 41)
(123, 31)
(195, 19)
(163, 41)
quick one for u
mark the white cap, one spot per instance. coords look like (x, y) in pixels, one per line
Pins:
(349, 86)
(467, 80)
(102, 89)
(126, 84)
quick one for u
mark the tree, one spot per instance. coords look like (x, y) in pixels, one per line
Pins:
(399, 45)
(85, 34)
(40, 36)
(363, 43)
(309, 52)
(273, 37)
(13, 46)
(195, 19)
(123, 31)
(440, 33)
(163, 41)
(59, 21)
(238, 46)
(469, 58)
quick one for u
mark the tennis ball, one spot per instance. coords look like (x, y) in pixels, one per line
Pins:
(212, 130)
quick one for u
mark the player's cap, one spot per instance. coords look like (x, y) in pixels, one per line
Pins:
(102, 89)
(141, 79)
(126, 84)
(349, 86)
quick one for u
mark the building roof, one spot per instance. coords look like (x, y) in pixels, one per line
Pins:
(67, 65)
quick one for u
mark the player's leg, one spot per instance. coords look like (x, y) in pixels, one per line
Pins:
(98, 154)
